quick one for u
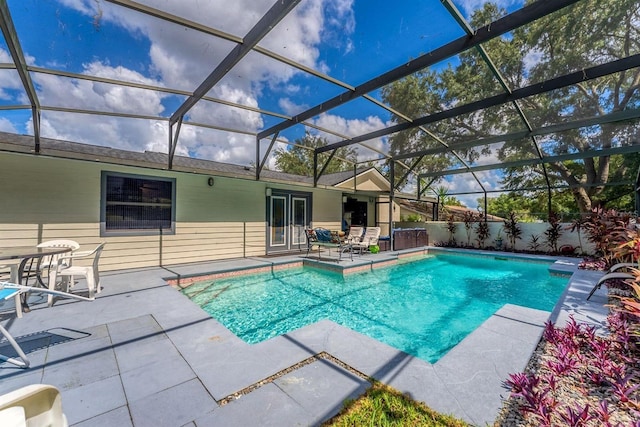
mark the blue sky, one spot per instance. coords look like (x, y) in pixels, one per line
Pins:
(349, 40)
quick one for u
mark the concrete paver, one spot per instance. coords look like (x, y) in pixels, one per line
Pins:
(321, 388)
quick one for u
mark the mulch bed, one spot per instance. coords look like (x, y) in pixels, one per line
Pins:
(573, 390)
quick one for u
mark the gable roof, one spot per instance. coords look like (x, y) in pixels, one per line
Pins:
(337, 178)
(367, 179)
(345, 179)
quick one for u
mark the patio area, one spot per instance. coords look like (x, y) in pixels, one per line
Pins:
(142, 354)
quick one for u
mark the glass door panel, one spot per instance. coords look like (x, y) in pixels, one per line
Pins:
(299, 216)
(278, 235)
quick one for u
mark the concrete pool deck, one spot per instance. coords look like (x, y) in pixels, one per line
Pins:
(143, 354)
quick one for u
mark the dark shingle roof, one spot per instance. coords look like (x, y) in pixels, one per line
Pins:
(157, 160)
(150, 159)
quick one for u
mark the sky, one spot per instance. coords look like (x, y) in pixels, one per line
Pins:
(349, 40)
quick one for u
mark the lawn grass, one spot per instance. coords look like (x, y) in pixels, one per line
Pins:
(382, 405)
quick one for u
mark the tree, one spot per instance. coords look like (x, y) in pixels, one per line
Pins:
(619, 197)
(298, 160)
(588, 33)
(444, 199)
(531, 206)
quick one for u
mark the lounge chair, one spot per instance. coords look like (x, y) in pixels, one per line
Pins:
(11, 290)
(355, 235)
(370, 238)
(613, 273)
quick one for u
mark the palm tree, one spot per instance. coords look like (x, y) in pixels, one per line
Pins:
(442, 194)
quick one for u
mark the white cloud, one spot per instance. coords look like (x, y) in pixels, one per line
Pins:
(531, 59)
(291, 108)
(354, 127)
(462, 183)
(10, 81)
(83, 94)
(292, 89)
(181, 58)
(7, 126)
(114, 132)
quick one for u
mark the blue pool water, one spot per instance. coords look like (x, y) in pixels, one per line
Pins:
(423, 308)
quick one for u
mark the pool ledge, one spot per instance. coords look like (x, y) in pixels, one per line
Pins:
(184, 276)
(559, 266)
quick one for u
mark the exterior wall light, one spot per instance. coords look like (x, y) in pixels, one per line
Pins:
(210, 181)
(268, 192)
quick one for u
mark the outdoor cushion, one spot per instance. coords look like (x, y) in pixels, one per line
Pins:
(323, 235)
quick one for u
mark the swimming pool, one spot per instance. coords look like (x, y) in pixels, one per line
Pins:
(423, 308)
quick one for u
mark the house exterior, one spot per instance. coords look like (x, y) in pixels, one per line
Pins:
(150, 216)
(365, 198)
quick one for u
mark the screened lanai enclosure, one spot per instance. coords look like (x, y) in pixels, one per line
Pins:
(476, 98)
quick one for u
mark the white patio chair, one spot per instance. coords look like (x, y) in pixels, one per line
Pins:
(68, 272)
(33, 405)
(46, 263)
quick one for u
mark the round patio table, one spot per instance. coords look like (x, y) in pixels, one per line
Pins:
(27, 255)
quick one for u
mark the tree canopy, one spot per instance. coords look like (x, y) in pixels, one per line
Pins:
(298, 158)
(588, 33)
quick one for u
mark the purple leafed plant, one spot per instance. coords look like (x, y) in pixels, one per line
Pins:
(542, 412)
(576, 417)
(551, 334)
(564, 366)
(521, 381)
(578, 354)
(552, 381)
(525, 386)
(623, 388)
(620, 332)
(603, 413)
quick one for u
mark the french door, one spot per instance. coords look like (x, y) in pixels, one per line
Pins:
(288, 214)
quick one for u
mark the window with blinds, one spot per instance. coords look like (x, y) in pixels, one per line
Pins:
(137, 203)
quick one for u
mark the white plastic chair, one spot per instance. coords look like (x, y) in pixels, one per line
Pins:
(33, 405)
(90, 273)
(46, 263)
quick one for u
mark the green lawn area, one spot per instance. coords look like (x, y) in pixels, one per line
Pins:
(382, 405)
